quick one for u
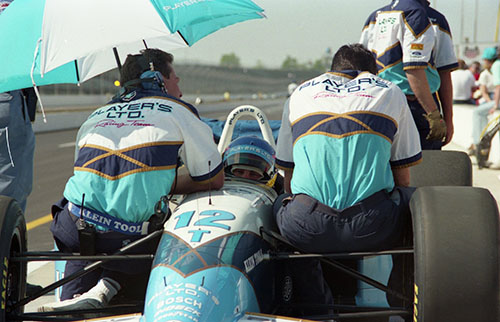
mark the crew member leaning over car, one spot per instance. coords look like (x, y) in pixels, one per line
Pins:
(346, 143)
(126, 160)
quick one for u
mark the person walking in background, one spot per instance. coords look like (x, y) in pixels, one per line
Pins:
(413, 47)
(490, 85)
(464, 84)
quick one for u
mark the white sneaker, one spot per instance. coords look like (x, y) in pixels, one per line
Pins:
(97, 297)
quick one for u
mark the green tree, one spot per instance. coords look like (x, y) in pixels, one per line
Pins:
(230, 60)
(320, 65)
(260, 64)
(291, 63)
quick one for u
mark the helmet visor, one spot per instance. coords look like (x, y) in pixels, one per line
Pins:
(250, 160)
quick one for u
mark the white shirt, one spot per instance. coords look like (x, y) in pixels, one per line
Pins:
(486, 79)
(463, 81)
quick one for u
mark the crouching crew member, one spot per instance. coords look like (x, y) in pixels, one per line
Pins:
(126, 160)
(346, 143)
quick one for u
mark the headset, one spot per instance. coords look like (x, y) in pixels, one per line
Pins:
(149, 78)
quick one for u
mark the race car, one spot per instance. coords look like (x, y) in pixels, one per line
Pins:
(221, 257)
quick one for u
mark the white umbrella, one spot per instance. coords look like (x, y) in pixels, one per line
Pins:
(70, 41)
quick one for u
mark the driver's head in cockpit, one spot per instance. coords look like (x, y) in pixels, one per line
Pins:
(250, 157)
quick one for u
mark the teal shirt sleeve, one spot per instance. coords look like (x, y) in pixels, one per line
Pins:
(495, 70)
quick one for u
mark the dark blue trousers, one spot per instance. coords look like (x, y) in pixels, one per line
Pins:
(376, 223)
(65, 234)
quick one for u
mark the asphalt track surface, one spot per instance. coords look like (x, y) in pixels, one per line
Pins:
(54, 156)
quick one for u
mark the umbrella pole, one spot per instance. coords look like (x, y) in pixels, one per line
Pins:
(77, 73)
(183, 38)
(117, 58)
(37, 93)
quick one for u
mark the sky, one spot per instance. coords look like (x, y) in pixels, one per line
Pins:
(305, 29)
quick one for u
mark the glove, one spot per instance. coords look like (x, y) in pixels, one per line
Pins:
(437, 126)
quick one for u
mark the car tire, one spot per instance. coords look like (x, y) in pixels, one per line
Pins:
(12, 240)
(456, 259)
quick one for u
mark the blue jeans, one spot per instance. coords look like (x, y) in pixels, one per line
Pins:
(480, 120)
(376, 223)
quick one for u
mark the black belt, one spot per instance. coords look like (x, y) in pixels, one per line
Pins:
(155, 222)
(355, 209)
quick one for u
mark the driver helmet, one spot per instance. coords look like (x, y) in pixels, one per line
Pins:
(250, 153)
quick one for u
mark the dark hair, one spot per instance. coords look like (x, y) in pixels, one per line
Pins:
(354, 57)
(462, 64)
(135, 65)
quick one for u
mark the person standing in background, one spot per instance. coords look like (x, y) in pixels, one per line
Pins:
(17, 140)
(17, 145)
(412, 45)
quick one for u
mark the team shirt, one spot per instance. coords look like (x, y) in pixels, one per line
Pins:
(342, 133)
(408, 35)
(127, 153)
(443, 52)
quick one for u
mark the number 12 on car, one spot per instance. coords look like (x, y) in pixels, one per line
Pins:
(207, 218)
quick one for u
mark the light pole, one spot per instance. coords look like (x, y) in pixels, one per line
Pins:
(498, 21)
(461, 21)
(475, 21)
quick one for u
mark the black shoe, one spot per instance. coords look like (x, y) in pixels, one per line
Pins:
(32, 289)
